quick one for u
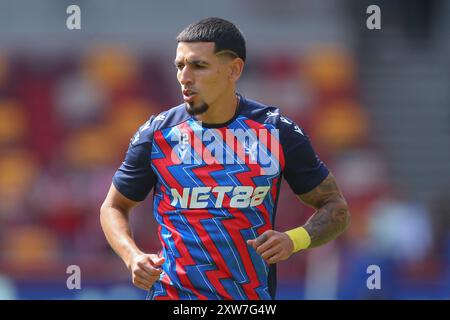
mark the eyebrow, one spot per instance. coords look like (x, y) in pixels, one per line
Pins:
(195, 62)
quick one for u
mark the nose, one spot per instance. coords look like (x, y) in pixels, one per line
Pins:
(185, 76)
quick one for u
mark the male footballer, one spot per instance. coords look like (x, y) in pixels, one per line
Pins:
(215, 164)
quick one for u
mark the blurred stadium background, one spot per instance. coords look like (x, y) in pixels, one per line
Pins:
(376, 105)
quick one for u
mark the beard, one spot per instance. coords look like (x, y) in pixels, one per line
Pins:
(196, 110)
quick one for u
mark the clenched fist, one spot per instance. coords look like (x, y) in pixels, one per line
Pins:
(145, 270)
(273, 246)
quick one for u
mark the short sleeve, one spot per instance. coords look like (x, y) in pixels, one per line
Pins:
(303, 169)
(135, 177)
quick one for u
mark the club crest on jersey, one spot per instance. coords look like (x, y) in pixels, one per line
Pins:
(251, 150)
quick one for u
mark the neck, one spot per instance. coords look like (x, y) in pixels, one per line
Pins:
(221, 111)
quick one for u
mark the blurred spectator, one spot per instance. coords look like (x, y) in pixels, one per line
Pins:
(400, 228)
(13, 125)
(111, 66)
(79, 100)
(18, 169)
(4, 70)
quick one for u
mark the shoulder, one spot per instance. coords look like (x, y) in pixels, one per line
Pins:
(165, 119)
(170, 118)
(259, 112)
(288, 130)
(263, 113)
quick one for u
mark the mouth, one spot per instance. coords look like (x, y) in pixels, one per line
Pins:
(189, 95)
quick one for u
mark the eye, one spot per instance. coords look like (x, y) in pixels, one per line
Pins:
(179, 66)
(199, 66)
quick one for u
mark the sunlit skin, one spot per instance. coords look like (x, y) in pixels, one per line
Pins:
(209, 78)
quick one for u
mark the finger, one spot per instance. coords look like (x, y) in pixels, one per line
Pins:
(158, 261)
(146, 280)
(261, 239)
(144, 285)
(275, 259)
(267, 245)
(148, 269)
(271, 252)
(152, 280)
(142, 275)
(252, 243)
(152, 271)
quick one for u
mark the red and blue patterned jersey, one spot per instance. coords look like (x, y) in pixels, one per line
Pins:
(215, 187)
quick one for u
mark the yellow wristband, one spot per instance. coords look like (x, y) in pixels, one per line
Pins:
(300, 238)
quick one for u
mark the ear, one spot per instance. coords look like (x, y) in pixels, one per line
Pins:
(236, 67)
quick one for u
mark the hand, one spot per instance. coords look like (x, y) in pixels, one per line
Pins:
(273, 246)
(145, 270)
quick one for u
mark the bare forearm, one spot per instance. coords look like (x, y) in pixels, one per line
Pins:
(117, 230)
(327, 223)
(332, 216)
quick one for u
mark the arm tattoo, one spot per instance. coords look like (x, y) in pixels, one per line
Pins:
(332, 216)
